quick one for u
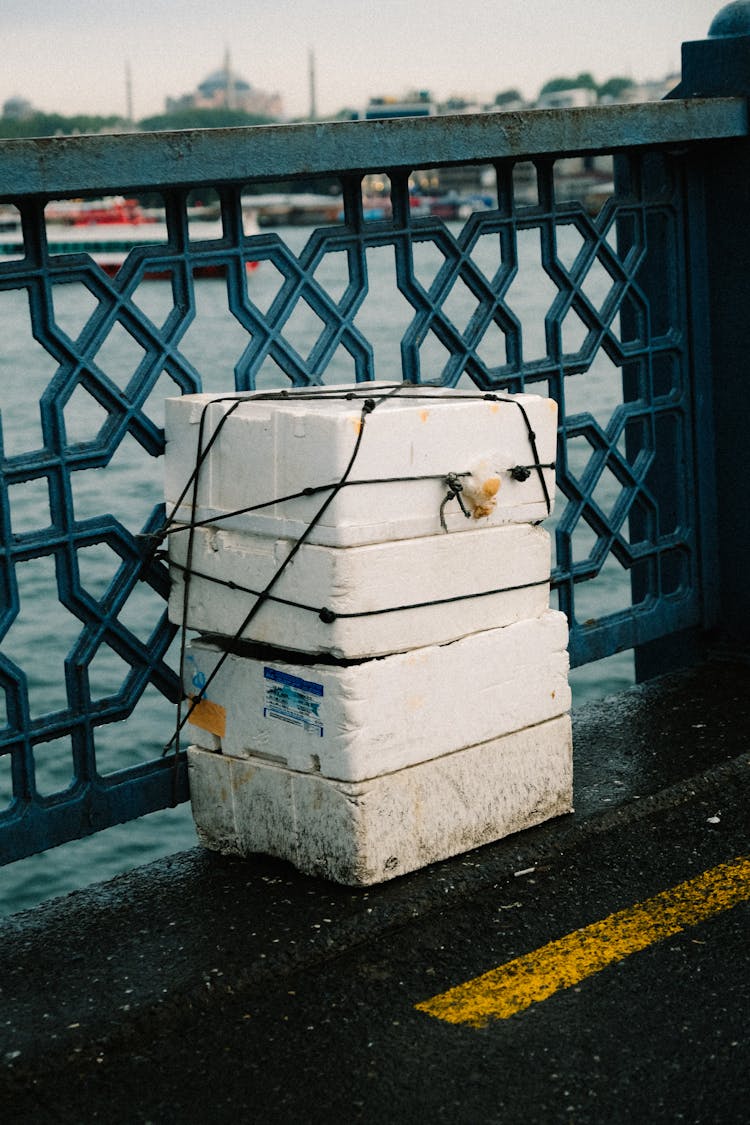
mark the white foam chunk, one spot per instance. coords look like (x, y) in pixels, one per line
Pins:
(513, 560)
(357, 721)
(368, 832)
(270, 448)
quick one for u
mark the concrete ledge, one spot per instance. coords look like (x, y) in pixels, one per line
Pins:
(102, 965)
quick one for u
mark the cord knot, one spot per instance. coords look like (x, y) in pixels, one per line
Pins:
(455, 488)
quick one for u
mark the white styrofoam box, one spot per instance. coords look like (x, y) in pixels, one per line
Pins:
(274, 447)
(368, 832)
(372, 577)
(361, 720)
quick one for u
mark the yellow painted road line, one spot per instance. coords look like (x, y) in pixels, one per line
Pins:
(512, 987)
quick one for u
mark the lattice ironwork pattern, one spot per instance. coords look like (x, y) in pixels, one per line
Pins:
(582, 301)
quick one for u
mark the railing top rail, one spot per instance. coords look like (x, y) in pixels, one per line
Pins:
(61, 166)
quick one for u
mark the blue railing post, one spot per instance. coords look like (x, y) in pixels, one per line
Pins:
(718, 66)
(718, 285)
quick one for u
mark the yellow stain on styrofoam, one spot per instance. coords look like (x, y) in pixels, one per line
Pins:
(424, 415)
(494, 407)
(356, 423)
(209, 716)
(515, 986)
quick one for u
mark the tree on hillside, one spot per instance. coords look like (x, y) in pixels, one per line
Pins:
(508, 97)
(610, 90)
(613, 88)
(202, 119)
(455, 104)
(55, 124)
(584, 81)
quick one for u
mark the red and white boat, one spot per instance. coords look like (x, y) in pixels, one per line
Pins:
(108, 229)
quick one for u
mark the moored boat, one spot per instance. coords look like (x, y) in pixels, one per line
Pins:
(109, 229)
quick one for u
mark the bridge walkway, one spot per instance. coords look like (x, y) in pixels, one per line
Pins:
(210, 989)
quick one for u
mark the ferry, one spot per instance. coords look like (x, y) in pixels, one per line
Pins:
(108, 229)
(296, 209)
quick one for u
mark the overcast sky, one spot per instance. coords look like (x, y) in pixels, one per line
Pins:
(70, 56)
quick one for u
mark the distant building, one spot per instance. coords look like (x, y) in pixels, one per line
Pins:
(652, 91)
(508, 101)
(458, 104)
(417, 103)
(225, 89)
(18, 109)
(567, 99)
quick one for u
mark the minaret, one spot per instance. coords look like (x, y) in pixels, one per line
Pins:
(311, 74)
(231, 99)
(128, 94)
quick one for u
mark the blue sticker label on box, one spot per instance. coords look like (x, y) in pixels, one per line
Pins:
(293, 700)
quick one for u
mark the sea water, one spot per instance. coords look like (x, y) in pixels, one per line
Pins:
(130, 485)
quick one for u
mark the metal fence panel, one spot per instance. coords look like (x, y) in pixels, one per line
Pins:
(611, 345)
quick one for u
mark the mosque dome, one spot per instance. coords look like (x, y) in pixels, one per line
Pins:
(17, 108)
(221, 80)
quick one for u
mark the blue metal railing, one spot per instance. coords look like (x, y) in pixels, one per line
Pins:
(624, 287)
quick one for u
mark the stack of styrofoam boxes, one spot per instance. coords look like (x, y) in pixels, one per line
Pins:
(361, 747)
